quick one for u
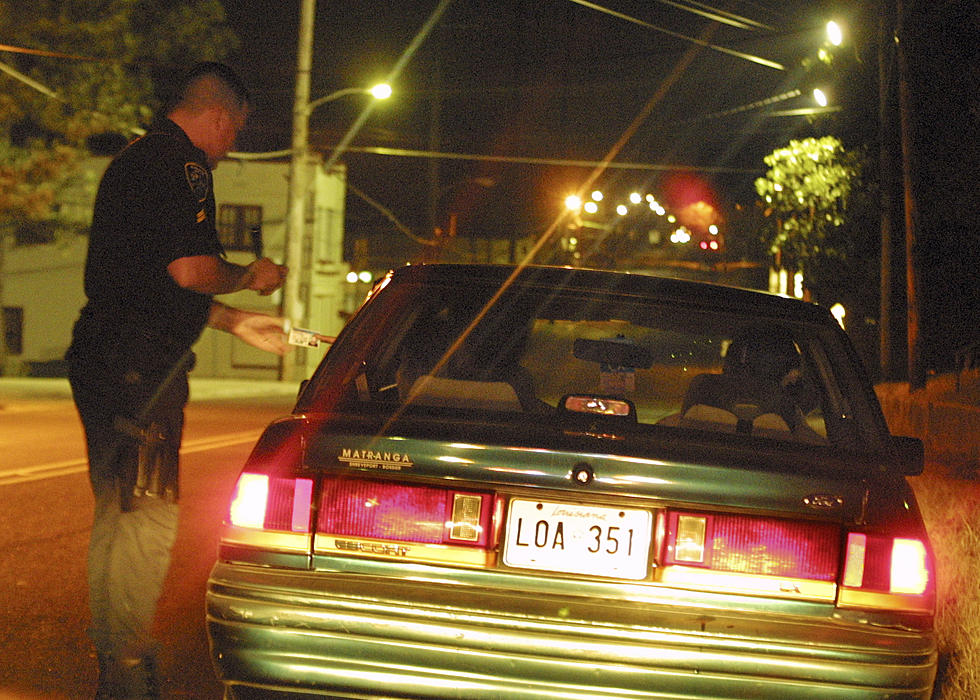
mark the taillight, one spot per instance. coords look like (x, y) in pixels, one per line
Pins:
(887, 572)
(373, 518)
(392, 511)
(753, 545)
(272, 503)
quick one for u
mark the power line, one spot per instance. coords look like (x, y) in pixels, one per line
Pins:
(677, 35)
(528, 160)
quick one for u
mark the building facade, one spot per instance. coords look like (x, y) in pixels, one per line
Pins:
(42, 289)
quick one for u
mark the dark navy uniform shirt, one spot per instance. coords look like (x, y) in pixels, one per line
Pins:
(155, 204)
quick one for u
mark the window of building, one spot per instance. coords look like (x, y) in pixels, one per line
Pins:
(235, 222)
(13, 328)
(34, 233)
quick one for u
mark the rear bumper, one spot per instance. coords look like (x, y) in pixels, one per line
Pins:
(363, 635)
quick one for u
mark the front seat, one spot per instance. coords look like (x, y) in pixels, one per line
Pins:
(751, 388)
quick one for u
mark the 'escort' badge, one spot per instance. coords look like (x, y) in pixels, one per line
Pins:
(369, 459)
(198, 180)
(391, 550)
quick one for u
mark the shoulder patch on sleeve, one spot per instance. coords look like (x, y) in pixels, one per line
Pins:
(198, 180)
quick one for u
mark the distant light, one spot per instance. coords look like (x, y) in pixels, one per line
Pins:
(835, 35)
(820, 97)
(591, 207)
(351, 277)
(622, 210)
(672, 219)
(365, 276)
(573, 202)
(713, 230)
(381, 91)
(597, 196)
(838, 312)
(636, 197)
(681, 235)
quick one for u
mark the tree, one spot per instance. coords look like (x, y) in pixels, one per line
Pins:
(73, 70)
(805, 195)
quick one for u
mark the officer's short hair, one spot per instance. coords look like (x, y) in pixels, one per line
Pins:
(187, 92)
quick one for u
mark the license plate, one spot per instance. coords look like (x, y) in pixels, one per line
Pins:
(599, 541)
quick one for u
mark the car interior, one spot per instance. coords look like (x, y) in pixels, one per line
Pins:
(563, 355)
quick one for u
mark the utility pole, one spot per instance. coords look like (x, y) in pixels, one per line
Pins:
(916, 362)
(293, 307)
(891, 325)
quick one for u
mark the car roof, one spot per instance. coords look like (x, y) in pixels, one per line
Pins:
(701, 295)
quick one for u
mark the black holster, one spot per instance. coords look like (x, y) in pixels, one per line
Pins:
(154, 470)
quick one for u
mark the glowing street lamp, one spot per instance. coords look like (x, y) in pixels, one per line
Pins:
(835, 34)
(381, 91)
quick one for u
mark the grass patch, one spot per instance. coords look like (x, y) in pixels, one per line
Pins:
(951, 510)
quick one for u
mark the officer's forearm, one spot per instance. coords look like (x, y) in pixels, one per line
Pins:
(210, 274)
(223, 317)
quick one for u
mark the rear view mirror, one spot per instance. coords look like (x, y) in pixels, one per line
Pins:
(613, 352)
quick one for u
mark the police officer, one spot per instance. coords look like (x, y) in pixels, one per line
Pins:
(154, 264)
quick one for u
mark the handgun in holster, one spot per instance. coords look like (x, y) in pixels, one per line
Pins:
(156, 462)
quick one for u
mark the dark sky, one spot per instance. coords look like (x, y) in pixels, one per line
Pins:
(557, 80)
(544, 79)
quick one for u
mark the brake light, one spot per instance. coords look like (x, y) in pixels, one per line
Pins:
(753, 545)
(399, 512)
(887, 564)
(272, 502)
(910, 571)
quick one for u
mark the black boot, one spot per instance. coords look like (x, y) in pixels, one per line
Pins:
(128, 679)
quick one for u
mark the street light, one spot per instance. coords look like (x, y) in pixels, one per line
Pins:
(292, 307)
(381, 91)
(835, 34)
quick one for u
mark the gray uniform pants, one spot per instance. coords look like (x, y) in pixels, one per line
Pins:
(132, 537)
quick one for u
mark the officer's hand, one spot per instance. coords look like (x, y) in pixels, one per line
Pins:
(266, 276)
(260, 330)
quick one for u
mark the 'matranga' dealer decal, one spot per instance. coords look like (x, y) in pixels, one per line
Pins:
(370, 459)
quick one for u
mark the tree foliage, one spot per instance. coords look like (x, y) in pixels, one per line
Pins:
(81, 68)
(805, 196)
(76, 69)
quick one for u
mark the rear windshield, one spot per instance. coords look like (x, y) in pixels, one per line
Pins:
(532, 353)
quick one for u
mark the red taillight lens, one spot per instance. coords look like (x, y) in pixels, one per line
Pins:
(391, 511)
(887, 564)
(753, 545)
(272, 502)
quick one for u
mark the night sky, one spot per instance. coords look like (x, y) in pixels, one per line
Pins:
(557, 80)
(548, 79)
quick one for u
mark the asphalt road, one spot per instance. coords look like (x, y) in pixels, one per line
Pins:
(45, 518)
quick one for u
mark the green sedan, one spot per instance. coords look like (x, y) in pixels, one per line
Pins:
(558, 483)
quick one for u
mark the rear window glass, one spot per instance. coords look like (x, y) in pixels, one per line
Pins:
(521, 353)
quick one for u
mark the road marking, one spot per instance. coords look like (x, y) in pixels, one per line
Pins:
(74, 466)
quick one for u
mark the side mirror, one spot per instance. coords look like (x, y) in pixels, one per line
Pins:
(909, 455)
